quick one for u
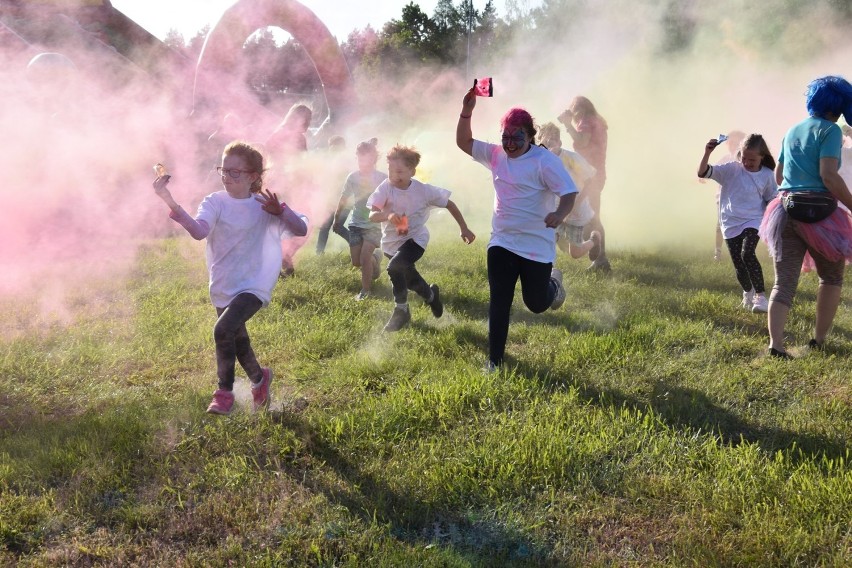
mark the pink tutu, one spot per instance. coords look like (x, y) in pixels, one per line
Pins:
(831, 237)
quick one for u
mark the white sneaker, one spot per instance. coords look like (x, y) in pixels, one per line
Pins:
(748, 299)
(760, 304)
(559, 299)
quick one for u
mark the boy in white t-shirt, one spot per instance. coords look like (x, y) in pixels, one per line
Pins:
(402, 205)
(569, 233)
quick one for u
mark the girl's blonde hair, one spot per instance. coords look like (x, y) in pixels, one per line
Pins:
(253, 159)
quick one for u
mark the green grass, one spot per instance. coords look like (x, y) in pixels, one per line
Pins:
(640, 425)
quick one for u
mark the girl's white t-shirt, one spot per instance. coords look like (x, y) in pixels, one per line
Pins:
(524, 190)
(243, 247)
(743, 196)
(416, 203)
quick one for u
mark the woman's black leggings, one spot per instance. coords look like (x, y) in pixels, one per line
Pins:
(537, 288)
(746, 265)
(232, 340)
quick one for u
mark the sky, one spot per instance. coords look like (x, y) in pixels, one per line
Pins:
(340, 16)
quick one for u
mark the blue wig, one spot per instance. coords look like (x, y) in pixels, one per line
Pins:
(830, 94)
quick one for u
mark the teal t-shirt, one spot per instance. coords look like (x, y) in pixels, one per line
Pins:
(804, 145)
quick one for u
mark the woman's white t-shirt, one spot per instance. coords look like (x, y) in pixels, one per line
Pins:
(243, 247)
(524, 190)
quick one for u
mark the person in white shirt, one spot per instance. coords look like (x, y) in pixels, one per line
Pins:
(243, 226)
(402, 205)
(570, 233)
(526, 180)
(747, 186)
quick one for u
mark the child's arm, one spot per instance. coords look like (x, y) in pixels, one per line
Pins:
(704, 166)
(464, 134)
(341, 205)
(466, 234)
(379, 216)
(566, 203)
(270, 203)
(580, 139)
(196, 229)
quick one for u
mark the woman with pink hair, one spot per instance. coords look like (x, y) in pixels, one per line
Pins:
(527, 178)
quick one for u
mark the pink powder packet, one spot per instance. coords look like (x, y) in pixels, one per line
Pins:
(483, 87)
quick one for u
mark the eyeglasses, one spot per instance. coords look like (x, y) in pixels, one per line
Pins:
(233, 172)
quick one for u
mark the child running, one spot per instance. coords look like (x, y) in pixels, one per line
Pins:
(365, 237)
(402, 204)
(569, 233)
(747, 186)
(243, 226)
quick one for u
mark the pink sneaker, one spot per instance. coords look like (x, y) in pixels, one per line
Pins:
(222, 403)
(260, 391)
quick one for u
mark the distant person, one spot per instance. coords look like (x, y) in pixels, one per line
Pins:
(402, 205)
(588, 130)
(289, 139)
(336, 148)
(527, 179)
(805, 218)
(569, 233)
(243, 226)
(747, 186)
(732, 147)
(365, 236)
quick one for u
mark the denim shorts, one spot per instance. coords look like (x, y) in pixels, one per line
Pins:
(357, 236)
(571, 233)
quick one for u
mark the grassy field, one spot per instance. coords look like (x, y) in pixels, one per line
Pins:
(640, 425)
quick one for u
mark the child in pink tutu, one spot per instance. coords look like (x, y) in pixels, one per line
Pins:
(807, 173)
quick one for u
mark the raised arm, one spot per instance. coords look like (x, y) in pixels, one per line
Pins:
(464, 135)
(708, 149)
(580, 139)
(196, 229)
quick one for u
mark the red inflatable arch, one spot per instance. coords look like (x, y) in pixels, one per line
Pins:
(219, 80)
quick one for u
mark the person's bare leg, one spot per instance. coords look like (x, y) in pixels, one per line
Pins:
(777, 317)
(828, 299)
(368, 266)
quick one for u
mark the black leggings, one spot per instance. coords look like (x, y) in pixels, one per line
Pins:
(232, 340)
(746, 265)
(537, 288)
(403, 274)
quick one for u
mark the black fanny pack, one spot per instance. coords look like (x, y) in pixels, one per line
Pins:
(809, 206)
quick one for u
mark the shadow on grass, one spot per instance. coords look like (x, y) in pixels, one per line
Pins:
(480, 541)
(691, 408)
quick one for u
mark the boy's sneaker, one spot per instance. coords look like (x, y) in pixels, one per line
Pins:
(779, 354)
(748, 300)
(362, 295)
(559, 299)
(435, 304)
(399, 319)
(377, 268)
(760, 304)
(222, 403)
(489, 368)
(601, 264)
(260, 391)
(815, 345)
(595, 251)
